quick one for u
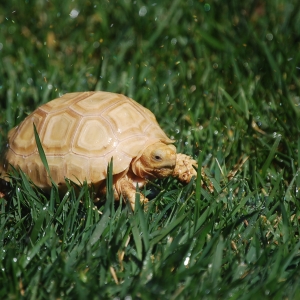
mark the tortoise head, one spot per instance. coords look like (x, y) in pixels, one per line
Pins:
(157, 161)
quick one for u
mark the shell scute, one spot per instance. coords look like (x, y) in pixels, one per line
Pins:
(98, 168)
(36, 170)
(95, 104)
(58, 132)
(57, 169)
(125, 120)
(76, 168)
(23, 139)
(133, 145)
(94, 137)
(63, 103)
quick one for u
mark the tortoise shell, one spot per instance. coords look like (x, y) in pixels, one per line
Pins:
(80, 133)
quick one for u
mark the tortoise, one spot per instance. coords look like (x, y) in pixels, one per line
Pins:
(81, 132)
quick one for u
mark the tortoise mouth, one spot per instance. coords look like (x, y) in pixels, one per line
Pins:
(160, 172)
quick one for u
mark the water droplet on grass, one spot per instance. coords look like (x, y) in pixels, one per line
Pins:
(269, 36)
(143, 11)
(267, 292)
(206, 7)
(186, 261)
(74, 13)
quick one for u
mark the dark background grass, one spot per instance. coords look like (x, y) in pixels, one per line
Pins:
(221, 77)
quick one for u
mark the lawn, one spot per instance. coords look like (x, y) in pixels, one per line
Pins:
(223, 79)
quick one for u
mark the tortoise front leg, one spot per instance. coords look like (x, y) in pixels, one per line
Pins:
(126, 188)
(184, 168)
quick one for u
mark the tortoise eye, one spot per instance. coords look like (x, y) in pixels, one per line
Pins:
(157, 155)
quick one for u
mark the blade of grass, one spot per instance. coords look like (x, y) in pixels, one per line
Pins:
(165, 231)
(217, 262)
(231, 101)
(41, 150)
(270, 156)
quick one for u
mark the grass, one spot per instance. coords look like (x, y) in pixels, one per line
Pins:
(223, 80)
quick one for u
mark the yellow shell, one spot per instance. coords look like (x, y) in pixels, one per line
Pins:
(80, 133)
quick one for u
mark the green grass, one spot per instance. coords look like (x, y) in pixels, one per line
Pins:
(223, 80)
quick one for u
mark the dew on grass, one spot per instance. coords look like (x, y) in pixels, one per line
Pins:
(96, 44)
(186, 261)
(28, 258)
(173, 41)
(15, 259)
(206, 7)
(269, 36)
(143, 11)
(276, 135)
(74, 13)
(149, 276)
